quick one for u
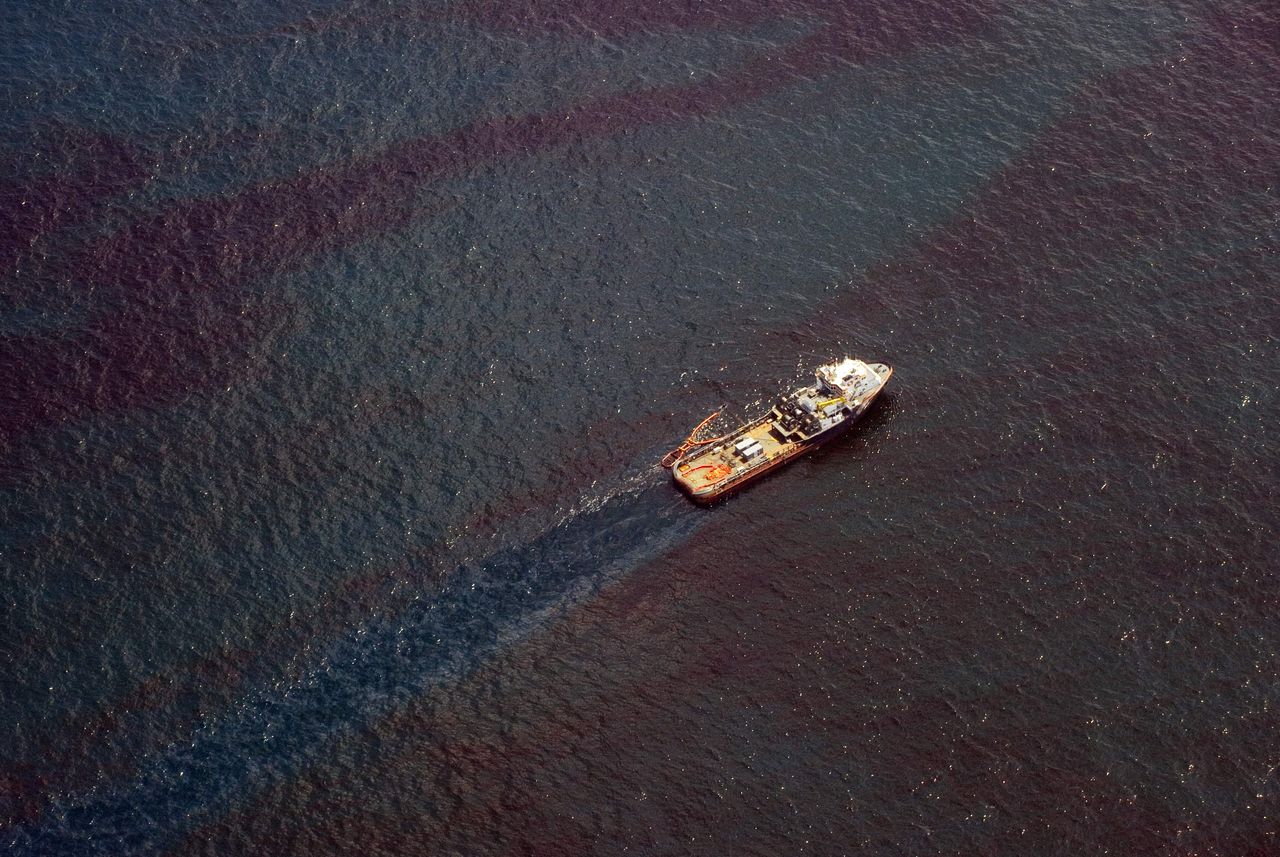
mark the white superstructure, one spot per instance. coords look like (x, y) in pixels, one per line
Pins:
(849, 378)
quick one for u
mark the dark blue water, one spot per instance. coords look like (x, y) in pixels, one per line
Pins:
(339, 342)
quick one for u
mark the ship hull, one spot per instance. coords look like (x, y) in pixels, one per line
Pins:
(704, 490)
(706, 497)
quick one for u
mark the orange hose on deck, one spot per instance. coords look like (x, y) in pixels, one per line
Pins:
(670, 459)
(718, 472)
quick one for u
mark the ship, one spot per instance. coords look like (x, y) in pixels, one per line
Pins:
(708, 468)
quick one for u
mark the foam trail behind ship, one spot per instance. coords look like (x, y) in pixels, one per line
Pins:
(366, 674)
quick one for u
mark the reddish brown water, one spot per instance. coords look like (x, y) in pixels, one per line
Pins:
(339, 343)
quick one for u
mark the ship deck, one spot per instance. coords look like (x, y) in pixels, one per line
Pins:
(718, 465)
(717, 469)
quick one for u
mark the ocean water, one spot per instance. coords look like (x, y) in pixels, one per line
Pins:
(339, 342)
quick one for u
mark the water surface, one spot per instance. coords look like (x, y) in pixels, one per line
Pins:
(338, 343)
